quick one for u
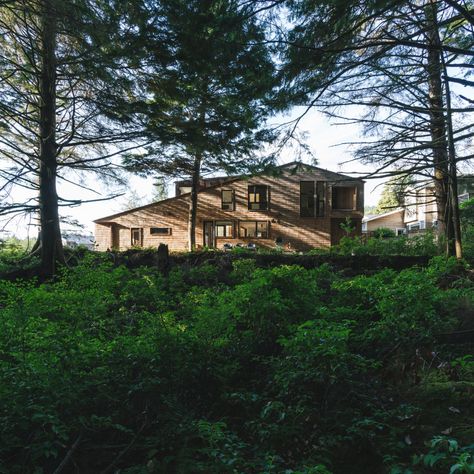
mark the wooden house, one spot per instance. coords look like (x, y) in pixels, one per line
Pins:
(299, 207)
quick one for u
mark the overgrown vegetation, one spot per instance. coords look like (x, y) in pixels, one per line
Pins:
(382, 243)
(258, 370)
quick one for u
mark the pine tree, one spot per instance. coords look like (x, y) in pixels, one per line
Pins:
(386, 58)
(393, 194)
(54, 72)
(208, 74)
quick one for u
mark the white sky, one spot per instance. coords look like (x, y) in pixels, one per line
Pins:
(322, 137)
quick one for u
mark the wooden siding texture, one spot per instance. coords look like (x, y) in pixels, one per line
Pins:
(393, 221)
(283, 215)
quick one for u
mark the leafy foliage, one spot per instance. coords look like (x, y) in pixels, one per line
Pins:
(258, 370)
(382, 244)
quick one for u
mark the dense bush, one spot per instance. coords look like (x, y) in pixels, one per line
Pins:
(384, 245)
(278, 370)
(383, 233)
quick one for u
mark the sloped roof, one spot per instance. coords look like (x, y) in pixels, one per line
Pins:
(295, 164)
(373, 217)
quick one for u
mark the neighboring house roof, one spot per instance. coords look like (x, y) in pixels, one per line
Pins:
(373, 217)
(295, 164)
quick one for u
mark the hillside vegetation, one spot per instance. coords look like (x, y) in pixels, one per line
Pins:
(257, 370)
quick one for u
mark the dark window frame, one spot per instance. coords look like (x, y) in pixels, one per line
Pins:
(354, 198)
(321, 194)
(227, 203)
(310, 198)
(317, 198)
(267, 223)
(140, 231)
(224, 224)
(167, 231)
(254, 192)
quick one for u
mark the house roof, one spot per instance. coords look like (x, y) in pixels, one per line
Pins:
(337, 176)
(295, 164)
(374, 217)
(230, 179)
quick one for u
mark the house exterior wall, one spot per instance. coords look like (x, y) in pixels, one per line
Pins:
(283, 215)
(393, 221)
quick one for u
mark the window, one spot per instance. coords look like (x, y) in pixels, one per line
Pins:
(225, 229)
(136, 237)
(307, 199)
(160, 231)
(253, 229)
(228, 201)
(320, 198)
(344, 198)
(400, 231)
(258, 198)
(312, 198)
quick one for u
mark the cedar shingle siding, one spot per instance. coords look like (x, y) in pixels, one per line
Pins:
(281, 217)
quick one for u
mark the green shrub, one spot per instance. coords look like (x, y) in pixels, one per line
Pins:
(383, 233)
(423, 244)
(272, 370)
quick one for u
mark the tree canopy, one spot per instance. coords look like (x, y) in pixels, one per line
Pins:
(207, 76)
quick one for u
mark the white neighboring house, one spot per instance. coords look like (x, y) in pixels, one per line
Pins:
(420, 211)
(74, 240)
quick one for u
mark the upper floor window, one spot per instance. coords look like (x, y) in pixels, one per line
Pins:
(258, 198)
(228, 200)
(307, 199)
(312, 198)
(344, 198)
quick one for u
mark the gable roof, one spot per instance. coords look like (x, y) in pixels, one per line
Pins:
(230, 179)
(374, 217)
(336, 176)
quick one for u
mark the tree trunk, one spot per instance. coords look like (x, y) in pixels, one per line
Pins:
(51, 244)
(437, 122)
(193, 202)
(453, 176)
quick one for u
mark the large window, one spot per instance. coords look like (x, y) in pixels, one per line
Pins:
(253, 229)
(307, 198)
(320, 198)
(258, 198)
(344, 198)
(224, 229)
(228, 201)
(312, 198)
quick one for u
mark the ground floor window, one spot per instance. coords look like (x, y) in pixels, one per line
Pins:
(224, 229)
(254, 229)
(160, 231)
(136, 236)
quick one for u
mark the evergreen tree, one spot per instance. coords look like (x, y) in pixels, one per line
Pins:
(160, 191)
(388, 58)
(208, 74)
(393, 194)
(55, 70)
